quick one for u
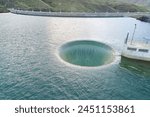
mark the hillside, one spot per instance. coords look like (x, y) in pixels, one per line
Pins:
(138, 2)
(74, 5)
(92, 5)
(3, 9)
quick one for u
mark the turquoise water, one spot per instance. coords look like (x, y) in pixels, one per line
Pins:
(30, 67)
(86, 53)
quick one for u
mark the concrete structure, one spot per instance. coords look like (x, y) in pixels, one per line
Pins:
(134, 49)
(79, 14)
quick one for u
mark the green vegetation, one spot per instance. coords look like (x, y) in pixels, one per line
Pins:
(31, 4)
(91, 6)
(74, 5)
(3, 9)
(145, 3)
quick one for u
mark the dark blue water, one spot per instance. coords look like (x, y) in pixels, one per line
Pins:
(30, 67)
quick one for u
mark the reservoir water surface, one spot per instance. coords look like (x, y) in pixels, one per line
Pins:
(31, 66)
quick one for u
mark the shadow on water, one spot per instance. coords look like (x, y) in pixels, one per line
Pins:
(136, 66)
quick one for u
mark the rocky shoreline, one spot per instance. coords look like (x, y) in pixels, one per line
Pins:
(144, 19)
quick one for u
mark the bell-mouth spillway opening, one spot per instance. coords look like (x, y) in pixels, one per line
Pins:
(86, 53)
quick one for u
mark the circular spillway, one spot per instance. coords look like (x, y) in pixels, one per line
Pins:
(86, 53)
